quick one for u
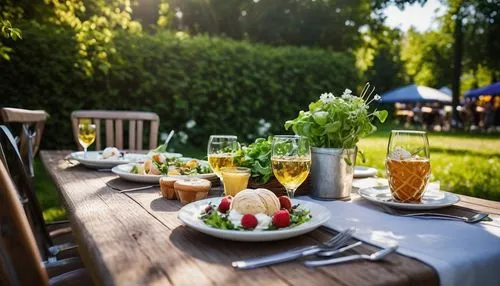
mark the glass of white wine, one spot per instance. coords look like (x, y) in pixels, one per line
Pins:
(86, 135)
(220, 151)
(291, 161)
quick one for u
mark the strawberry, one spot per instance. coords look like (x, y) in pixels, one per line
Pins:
(285, 203)
(249, 221)
(224, 205)
(281, 218)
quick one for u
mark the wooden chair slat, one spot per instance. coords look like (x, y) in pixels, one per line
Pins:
(153, 134)
(109, 132)
(97, 123)
(131, 135)
(119, 134)
(139, 135)
(74, 125)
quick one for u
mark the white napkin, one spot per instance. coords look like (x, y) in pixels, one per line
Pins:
(461, 253)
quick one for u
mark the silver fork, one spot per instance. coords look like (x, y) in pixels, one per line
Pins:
(373, 257)
(293, 254)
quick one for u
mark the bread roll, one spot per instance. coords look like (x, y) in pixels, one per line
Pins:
(190, 190)
(167, 188)
(251, 201)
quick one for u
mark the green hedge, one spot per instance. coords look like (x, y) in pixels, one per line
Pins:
(225, 86)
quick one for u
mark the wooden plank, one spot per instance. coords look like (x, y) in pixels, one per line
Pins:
(136, 238)
(131, 135)
(119, 134)
(153, 135)
(116, 114)
(139, 135)
(109, 133)
(124, 244)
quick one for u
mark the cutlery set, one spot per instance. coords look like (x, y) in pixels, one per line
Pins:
(332, 247)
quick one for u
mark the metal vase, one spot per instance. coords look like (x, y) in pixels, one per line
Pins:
(332, 172)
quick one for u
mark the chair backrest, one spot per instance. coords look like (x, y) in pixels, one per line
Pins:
(20, 261)
(10, 157)
(32, 123)
(114, 123)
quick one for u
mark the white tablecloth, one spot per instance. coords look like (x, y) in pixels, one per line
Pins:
(461, 253)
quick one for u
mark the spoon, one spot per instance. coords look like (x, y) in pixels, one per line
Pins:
(373, 257)
(170, 135)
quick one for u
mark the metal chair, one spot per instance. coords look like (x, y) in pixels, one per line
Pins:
(32, 123)
(20, 260)
(114, 121)
(10, 156)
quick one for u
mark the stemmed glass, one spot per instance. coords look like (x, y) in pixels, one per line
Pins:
(408, 165)
(291, 161)
(86, 135)
(221, 150)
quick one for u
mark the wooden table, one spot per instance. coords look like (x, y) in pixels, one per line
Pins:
(136, 239)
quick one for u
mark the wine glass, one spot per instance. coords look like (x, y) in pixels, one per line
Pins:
(220, 151)
(291, 161)
(408, 165)
(86, 135)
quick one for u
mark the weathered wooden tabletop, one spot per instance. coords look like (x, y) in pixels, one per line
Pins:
(136, 239)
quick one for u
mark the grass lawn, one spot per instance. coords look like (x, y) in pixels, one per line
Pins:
(464, 163)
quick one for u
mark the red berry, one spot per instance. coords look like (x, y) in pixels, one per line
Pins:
(224, 205)
(281, 218)
(249, 221)
(229, 197)
(285, 203)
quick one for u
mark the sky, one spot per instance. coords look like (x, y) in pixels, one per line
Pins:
(422, 18)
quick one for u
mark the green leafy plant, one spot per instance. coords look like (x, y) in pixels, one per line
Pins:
(257, 157)
(338, 122)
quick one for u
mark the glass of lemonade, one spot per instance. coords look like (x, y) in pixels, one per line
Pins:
(220, 151)
(291, 161)
(408, 165)
(86, 134)
(235, 179)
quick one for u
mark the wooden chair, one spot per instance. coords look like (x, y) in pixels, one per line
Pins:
(10, 156)
(114, 123)
(32, 123)
(20, 261)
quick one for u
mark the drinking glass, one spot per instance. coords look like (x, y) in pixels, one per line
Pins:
(408, 165)
(86, 135)
(220, 151)
(291, 161)
(235, 179)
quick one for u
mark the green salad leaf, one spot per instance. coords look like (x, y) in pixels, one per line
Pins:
(257, 157)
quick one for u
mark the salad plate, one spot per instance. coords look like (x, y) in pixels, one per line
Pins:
(432, 199)
(94, 159)
(125, 172)
(190, 216)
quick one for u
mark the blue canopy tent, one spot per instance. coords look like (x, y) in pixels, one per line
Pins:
(492, 89)
(415, 93)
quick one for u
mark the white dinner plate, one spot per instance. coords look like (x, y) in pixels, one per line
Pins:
(364, 172)
(93, 159)
(432, 199)
(124, 172)
(189, 215)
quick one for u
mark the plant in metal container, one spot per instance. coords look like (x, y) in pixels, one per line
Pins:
(334, 125)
